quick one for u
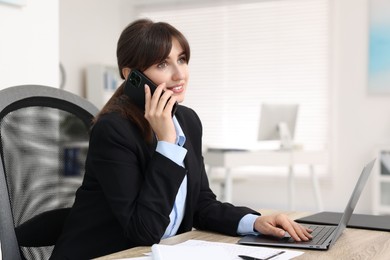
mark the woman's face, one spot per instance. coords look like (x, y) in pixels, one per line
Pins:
(173, 71)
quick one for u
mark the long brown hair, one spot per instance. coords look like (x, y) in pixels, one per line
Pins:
(142, 44)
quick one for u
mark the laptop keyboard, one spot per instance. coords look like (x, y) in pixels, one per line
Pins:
(320, 234)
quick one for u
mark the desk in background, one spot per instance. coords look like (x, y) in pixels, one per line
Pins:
(229, 159)
(352, 244)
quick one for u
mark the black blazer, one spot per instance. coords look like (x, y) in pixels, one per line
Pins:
(129, 190)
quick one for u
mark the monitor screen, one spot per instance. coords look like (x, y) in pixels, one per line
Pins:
(271, 117)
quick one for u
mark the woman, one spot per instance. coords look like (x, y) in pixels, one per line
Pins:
(145, 179)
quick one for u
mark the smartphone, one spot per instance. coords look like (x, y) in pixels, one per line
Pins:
(135, 89)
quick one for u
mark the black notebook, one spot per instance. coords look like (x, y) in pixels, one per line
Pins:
(363, 221)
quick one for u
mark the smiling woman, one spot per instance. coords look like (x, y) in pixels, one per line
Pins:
(145, 178)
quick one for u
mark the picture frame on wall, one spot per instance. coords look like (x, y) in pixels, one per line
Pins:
(14, 2)
(379, 47)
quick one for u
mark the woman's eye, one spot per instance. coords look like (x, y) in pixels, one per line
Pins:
(162, 64)
(183, 60)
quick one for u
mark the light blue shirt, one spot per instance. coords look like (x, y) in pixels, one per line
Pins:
(176, 153)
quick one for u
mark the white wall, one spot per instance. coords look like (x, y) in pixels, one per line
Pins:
(89, 30)
(29, 51)
(360, 122)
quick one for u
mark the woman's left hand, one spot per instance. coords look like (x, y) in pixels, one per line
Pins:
(277, 225)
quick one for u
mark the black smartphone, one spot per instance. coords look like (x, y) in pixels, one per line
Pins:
(135, 89)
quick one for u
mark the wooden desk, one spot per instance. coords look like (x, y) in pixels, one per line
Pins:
(352, 244)
(229, 159)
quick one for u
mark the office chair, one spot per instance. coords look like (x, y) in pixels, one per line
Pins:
(44, 135)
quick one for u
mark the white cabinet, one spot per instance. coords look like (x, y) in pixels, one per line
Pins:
(381, 182)
(102, 81)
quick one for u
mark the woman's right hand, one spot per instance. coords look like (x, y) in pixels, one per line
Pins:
(158, 110)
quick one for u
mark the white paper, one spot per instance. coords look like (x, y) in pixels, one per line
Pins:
(234, 250)
(188, 252)
(137, 258)
(204, 250)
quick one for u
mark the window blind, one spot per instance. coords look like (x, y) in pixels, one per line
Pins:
(248, 53)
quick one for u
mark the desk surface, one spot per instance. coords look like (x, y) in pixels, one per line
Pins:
(231, 158)
(352, 244)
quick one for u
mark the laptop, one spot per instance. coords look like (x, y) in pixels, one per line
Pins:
(324, 236)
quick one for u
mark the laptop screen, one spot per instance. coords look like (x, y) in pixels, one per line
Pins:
(353, 200)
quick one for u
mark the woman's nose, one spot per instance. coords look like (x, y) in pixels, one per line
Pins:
(178, 73)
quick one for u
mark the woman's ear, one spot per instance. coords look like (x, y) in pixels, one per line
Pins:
(126, 72)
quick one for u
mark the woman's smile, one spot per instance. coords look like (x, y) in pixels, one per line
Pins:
(177, 89)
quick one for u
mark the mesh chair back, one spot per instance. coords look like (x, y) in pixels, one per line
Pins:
(44, 135)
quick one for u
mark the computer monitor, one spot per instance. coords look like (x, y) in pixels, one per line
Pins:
(277, 122)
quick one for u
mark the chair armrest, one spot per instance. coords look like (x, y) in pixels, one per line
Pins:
(43, 229)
